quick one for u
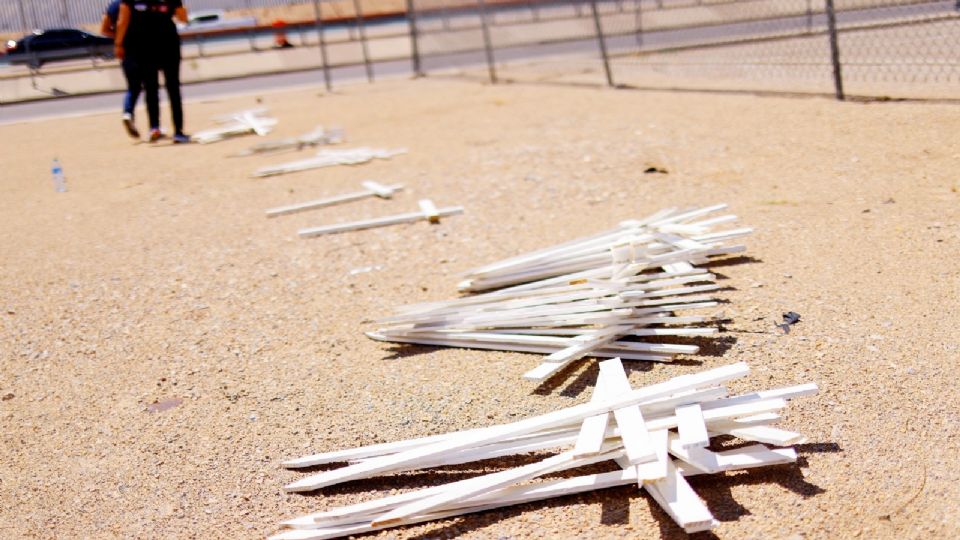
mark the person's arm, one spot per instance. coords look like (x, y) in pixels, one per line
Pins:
(180, 14)
(123, 23)
(106, 26)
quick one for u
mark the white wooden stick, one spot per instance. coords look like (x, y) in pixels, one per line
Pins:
(633, 431)
(593, 429)
(656, 469)
(377, 222)
(714, 462)
(465, 344)
(474, 486)
(692, 429)
(678, 499)
(328, 158)
(764, 434)
(582, 347)
(371, 189)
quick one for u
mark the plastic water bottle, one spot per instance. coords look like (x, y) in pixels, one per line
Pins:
(59, 181)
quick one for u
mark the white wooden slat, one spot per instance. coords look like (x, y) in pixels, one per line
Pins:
(656, 469)
(691, 427)
(633, 430)
(593, 429)
(678, 499)
(376, 222)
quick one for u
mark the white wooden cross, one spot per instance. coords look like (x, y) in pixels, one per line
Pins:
(428, 211)
(314, 138)
(370, 189)
(329, 157)
(239, 123)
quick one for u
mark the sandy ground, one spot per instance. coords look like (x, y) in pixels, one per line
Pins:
(157, 283)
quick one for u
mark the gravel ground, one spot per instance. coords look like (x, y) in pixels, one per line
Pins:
(163, 346)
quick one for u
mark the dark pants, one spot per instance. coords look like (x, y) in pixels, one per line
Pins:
(171, 78)
(151, 89)
(131, 71)
(149, 69)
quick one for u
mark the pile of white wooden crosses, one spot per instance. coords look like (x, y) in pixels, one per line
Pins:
(571, 301)
(585, 297)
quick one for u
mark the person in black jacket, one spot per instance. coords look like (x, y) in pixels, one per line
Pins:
(147, 38)
(108, 27)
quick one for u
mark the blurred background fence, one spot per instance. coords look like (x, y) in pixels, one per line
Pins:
(21, 15)
(879, 48)
(872, 48)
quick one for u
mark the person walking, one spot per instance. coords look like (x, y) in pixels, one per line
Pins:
(108, 27)
(147, 37)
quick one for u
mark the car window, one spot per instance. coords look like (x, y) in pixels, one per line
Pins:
(56, 39)
(46, 41)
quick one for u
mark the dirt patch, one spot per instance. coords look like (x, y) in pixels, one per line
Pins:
(158, 275)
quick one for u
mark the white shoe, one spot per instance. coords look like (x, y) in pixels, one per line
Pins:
(130, 126)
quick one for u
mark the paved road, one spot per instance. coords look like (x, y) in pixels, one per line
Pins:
(81, 105)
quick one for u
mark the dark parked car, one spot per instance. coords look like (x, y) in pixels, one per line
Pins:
(44, 46)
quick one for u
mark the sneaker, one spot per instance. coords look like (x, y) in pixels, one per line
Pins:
(130, 126)
(155, 135)
(181, 138)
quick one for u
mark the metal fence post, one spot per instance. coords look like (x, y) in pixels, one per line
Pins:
(323, 45)
(602, 41)
(834, 50)
(33, 17)
(357, 8)
(445, 13)
(251, 36)
(414, 46)
(639, 20)
(23, 17)
(487, 45)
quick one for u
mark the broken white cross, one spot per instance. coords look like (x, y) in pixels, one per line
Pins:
(428, 212)
(370, 189)
(329, 157)
(237, 124)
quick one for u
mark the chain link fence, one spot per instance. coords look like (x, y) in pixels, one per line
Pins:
(895, 48)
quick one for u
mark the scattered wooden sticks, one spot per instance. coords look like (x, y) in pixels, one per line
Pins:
(370, 189)
(427, 212)
(317, 137)
(240, 123)
(589, 297)
(664, 231)
(329, 157)
(658, 435)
